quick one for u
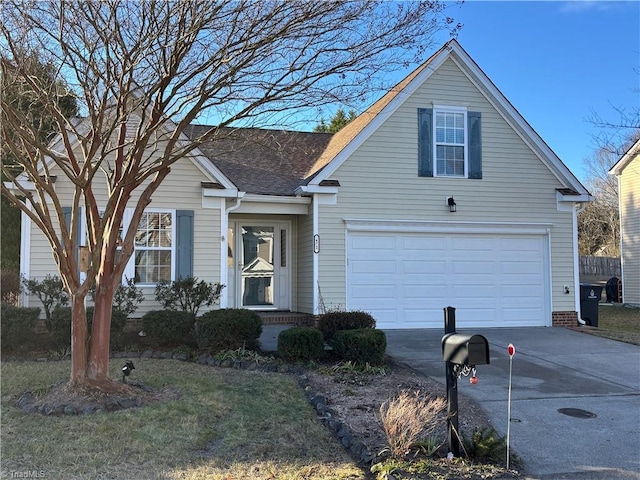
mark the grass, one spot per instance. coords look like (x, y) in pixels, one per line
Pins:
(227, 424)
(620, 323)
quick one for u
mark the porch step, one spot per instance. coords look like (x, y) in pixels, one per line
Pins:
(286, 318)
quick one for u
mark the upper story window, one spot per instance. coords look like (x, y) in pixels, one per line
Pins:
(449, 142)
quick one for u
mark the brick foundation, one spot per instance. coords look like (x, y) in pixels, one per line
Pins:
(564, 319)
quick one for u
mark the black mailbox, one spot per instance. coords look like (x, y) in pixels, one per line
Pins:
(465, 349)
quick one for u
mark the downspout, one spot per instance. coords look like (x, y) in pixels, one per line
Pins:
(224, 246)
(576, 267)
(316, 284)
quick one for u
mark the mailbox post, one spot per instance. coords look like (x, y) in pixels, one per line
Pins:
(461, 353)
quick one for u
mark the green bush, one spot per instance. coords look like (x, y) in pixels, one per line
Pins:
(228, 329)
(301, 343)
(17, 325)
(187, 294)
(165, 327)
(51, 292)
(331, 322)
(61, 325)
(363, 345)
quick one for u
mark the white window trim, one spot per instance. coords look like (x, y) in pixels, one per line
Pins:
(450, 109)
(131, 266)
(130, 269)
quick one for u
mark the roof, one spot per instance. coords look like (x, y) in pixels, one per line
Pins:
(276, 162)
(264, 162)
(625, 160)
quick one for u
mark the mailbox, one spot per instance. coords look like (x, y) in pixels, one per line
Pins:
(465, 349)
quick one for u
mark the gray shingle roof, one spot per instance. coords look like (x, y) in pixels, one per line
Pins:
(264, 162)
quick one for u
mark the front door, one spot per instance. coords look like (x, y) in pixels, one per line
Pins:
(259, 265)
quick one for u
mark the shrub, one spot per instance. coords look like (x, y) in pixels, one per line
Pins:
(61, 327)
(409, 417)
(51, 292)
(484, 444)
(187, 294)
(17, 325)
(10, 286)
(301, 343)
(364, 345)
(331, 322)
(165, 327)
(229, 329)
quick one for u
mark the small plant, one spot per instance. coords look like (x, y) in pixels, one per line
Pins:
(164, 327)
(301, 343)
(242, 354)
(126, 298)
(17, 326)
(485, 443)
(228, 329)
(51, 293)
(409, 417)
(429, 446)
(187, 294)
(331, 322)
(361, 346)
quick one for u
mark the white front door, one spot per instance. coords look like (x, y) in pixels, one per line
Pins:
(259, 275)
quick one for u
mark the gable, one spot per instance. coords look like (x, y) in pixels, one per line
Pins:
(466, 79)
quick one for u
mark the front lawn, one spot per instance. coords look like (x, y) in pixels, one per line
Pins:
(227, 424)
(618, 323)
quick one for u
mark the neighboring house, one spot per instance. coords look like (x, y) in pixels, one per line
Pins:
(305, 222)
(627, 169)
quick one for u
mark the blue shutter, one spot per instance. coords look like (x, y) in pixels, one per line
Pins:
(475, 144)
(425, 142)
(184, 243)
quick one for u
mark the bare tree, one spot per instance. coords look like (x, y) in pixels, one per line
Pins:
(142, 72)
(599, 222)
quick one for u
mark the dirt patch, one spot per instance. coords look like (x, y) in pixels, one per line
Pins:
(356, 398)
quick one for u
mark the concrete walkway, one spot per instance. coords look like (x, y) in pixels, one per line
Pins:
(553, 368)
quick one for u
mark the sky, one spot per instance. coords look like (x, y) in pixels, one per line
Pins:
(557, 63)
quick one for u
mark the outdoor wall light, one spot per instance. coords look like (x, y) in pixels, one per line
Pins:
(452, 204)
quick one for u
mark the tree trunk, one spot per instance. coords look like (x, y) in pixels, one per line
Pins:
(101, 332)
(78, 339)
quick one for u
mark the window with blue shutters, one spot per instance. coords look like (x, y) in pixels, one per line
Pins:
(449, 143)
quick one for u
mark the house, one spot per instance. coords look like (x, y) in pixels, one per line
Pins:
(627, 169)
(440, 194)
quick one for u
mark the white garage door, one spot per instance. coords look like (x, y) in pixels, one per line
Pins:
(406, 279)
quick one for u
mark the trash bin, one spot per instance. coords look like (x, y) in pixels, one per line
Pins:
(590, 296)
(613, 290)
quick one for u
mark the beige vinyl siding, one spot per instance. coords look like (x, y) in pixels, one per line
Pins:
(303, 288)
(181, 190)
(380, 181)
(629, 182)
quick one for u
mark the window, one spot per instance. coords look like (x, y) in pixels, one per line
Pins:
(154, 245)
(450, 143)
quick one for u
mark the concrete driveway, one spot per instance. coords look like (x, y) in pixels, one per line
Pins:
(553, 369)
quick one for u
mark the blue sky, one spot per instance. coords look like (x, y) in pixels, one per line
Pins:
(557, 62)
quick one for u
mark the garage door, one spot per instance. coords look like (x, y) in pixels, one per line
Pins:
(406, 279)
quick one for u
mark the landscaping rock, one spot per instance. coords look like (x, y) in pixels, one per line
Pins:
(147, 354)
(166, 355)
(180, 356)
(70, 410)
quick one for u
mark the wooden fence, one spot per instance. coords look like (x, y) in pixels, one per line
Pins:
(600, 266)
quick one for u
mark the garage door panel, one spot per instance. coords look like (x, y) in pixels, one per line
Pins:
(473, 267)
(423, 244)
(377, 267)
(424, 267)
(406, 279)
